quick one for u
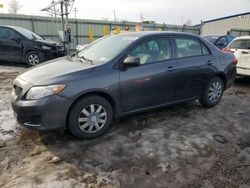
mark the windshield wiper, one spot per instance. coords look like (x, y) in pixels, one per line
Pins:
(85, 59)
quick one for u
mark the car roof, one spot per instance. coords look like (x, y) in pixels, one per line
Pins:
(156, 33)
(243, 37)
(213, 35)
(12, 27)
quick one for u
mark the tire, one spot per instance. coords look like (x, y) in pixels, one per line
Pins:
(86, 114)
(213, 92)
(33, 58)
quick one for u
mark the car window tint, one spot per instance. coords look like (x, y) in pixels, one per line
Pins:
(205, 50)
(153, 51)
(6, 33)
(222, 41)
(188, 47)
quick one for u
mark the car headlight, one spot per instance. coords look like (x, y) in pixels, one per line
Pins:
(46, 47)
(38, 92)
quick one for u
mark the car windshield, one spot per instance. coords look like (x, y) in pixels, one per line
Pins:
(28, 34)
(240, 44)
(211, 39)
(107, 48)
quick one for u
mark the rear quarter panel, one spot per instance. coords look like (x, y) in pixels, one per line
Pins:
(224, 62)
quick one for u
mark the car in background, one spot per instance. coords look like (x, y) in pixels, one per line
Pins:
(120, 75)
(21, 45)
(240, 46)
(221, 41)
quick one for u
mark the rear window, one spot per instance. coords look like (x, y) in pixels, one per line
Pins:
(211, 39)
(187, 47)
(240, 44)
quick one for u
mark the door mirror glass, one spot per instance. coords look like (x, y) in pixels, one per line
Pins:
(131, 61)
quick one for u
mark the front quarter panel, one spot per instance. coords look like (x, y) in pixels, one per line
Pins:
(104, 79)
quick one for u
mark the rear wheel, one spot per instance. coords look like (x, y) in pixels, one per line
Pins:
(90, 117)
(33, 58)
(213, 92)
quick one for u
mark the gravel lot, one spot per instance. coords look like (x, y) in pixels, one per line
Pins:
(182, 146)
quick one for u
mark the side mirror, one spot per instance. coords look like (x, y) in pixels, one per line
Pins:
(131, 61)
(15, 38)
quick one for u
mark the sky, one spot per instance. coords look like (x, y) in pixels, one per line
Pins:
(161, 11)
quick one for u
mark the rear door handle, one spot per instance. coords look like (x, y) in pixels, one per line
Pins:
(170, 69)
(209, 62)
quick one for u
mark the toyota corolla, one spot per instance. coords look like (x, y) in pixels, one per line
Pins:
(119, 75)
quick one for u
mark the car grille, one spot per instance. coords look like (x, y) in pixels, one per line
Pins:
(17, 89)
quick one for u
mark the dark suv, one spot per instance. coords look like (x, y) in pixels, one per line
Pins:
(21, 45)
(120, 75)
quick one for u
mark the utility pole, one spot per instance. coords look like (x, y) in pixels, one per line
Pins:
(66, 3)
(75, 10)
(64, 13)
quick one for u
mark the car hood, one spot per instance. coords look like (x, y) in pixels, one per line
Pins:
(57, 71)
(48, 42)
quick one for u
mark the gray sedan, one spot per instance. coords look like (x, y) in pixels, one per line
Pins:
(120, 75)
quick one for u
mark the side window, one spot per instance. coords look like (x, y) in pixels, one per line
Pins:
(153, 46)
(187, 47)
(6, 33)
(205, 50)
(153, 51)
(222, 41)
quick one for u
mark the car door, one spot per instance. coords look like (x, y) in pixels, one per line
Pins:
(145, 85)
(10, 45)
(196, 66)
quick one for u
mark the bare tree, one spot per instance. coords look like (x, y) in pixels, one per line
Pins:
(188, 23)
(14, 6)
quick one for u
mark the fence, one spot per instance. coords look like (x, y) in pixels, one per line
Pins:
(83, 30)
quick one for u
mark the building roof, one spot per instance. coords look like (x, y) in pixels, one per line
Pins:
(227, 17)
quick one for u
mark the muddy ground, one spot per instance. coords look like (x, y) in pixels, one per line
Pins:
(182, 146)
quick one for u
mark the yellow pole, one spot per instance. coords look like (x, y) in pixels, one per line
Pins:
(105, 30)
(91, 35)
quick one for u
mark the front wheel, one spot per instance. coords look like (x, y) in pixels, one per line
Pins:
(33, 58)
(213, 92)
(90, 117)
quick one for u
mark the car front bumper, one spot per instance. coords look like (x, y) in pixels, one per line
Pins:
(49, 55)
(44, 114)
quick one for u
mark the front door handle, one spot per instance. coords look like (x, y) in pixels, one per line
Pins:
(170, 69)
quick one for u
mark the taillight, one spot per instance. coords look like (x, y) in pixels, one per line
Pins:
(235, 61)
(227, 50)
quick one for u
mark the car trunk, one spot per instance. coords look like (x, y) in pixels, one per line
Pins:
(243, 56)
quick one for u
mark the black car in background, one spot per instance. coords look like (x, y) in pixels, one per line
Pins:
(21, 45)
(120, 75)
(221, 41)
